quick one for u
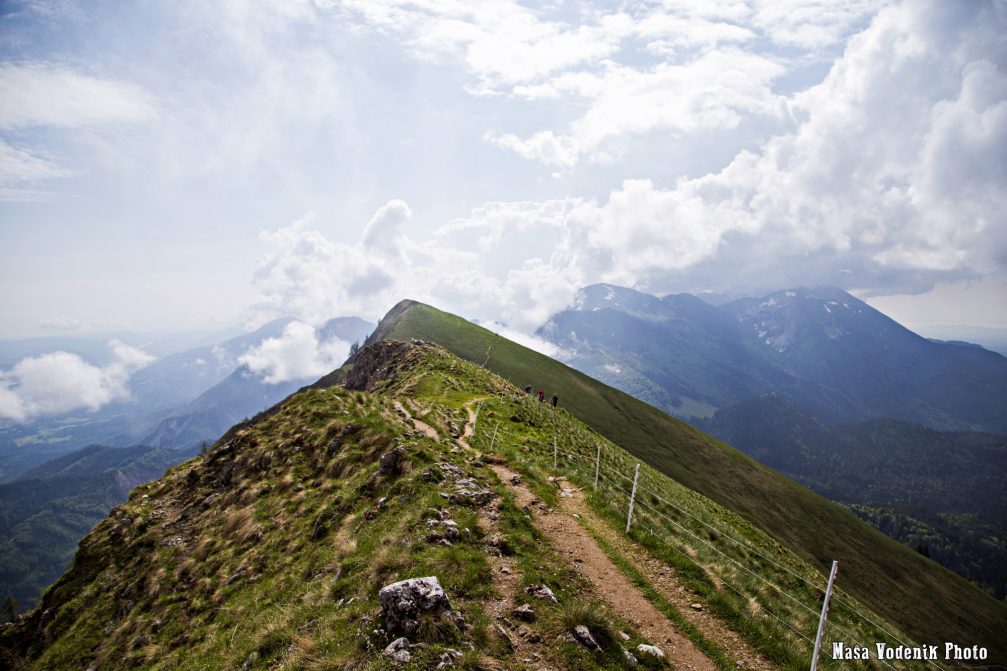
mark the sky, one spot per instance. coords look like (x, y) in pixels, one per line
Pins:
(184, 165)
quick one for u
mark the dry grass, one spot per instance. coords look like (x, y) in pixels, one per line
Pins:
(386, 563)
(240, 524)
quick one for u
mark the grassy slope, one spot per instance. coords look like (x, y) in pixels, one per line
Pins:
(928, 601)
(268, 552)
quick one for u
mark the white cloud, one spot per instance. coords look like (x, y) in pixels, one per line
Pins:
(21, 171)
(530, 341)
(383, 232)
(812, 24)
(717, 90)
(501, 42)
(888, 174)
(673, 67)
(39, 94)
(43, 94)
(295, 354)
(60, 382)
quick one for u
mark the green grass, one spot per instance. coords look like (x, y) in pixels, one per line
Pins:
(270, 550)
(891, 579)
(752, 589)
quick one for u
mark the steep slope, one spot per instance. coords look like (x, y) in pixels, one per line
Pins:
(45, 513)
(945, 487)
(269, 551)
(891, 578)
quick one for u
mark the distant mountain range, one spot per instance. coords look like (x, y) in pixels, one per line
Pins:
(54, 490)
(820, 386)
(162, 409)
(842, 359)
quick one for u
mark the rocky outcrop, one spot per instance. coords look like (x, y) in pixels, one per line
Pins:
(378, 363)
(404, 602)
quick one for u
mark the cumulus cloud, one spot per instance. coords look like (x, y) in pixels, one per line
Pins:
(892, 180)
(60, 382)
(716, 90)
(888, 177)
(668, 66)
(296, 354)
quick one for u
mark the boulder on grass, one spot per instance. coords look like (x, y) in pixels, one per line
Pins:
(404, 602)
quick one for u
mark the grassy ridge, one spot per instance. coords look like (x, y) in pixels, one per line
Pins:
(928, 601)
(268, 552)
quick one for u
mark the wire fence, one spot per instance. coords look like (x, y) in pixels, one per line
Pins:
(605, 468)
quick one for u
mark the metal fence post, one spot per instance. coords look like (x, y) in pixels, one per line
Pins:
(493, 440)
(825, 611)
(555, 454)
(597, 466)
(632, 498)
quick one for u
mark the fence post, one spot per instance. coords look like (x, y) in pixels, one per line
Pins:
(555, 454)
(632, 498)
(475, 422)
(493, 440)
(825, 611)
(597, 466)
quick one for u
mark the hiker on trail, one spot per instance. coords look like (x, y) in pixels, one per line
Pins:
(555, 400)
(541, 395)
(527, 390)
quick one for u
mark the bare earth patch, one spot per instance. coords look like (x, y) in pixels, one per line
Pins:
(570, 540)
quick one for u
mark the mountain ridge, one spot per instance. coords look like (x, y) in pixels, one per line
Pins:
(842, 358)
(819, 529)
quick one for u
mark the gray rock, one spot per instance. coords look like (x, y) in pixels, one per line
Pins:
(250, 661)
(403, 602)
(448, 659)
(541, 592)
(630, 657)
(650, 650)
(504, 637)
(584, 637)
(391, 462)
(467, 492)
(398, 650)
(442, 530)
(238, 575)
(526, 632)
(524, 612)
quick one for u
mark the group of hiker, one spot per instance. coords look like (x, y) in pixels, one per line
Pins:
(541, 396)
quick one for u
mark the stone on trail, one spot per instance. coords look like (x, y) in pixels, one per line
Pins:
(524, 612)
(651, 650)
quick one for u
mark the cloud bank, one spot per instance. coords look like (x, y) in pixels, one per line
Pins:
(890, 180)
(295, 354)
(61, 382)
